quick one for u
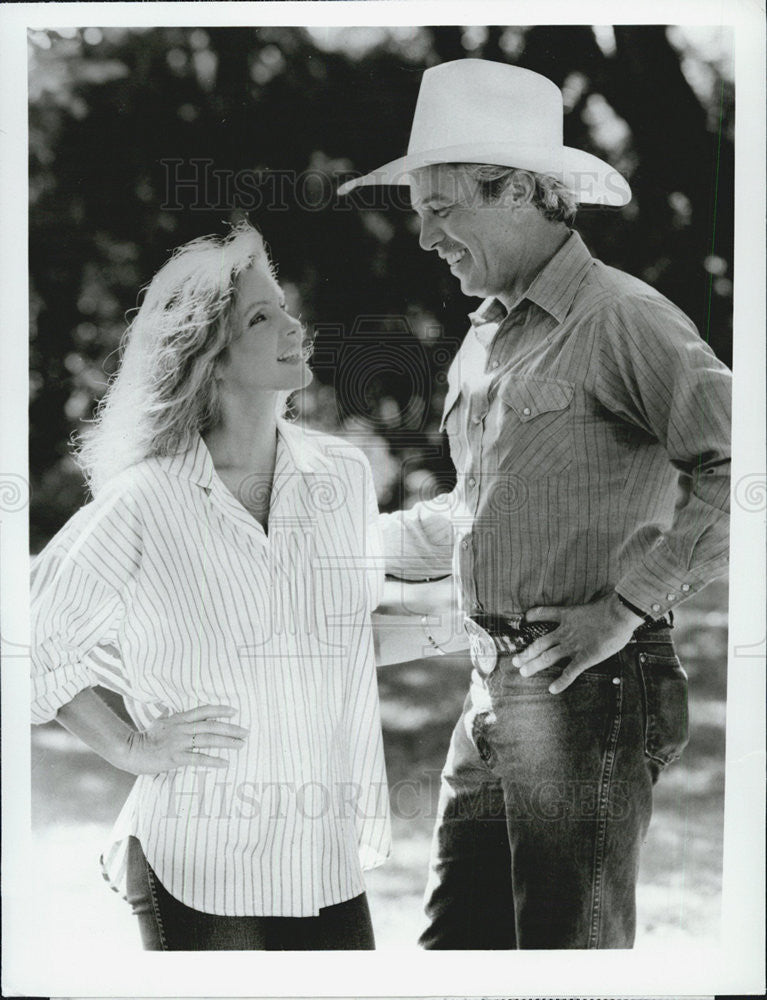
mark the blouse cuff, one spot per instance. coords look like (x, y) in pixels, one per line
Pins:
(58, 686)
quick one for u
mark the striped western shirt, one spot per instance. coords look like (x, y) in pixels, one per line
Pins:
(590, 431)
(166, 590)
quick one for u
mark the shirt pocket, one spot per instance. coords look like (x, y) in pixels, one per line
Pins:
(536, 426)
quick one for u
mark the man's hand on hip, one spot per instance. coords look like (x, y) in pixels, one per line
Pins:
(586, 634)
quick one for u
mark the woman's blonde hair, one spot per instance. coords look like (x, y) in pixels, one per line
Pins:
(165, 390)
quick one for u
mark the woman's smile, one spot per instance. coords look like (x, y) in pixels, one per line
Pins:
(270, 348)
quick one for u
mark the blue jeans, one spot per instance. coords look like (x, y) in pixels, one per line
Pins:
(166, 924)
(545, 800)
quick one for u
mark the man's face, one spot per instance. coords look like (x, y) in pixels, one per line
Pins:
(482, 242)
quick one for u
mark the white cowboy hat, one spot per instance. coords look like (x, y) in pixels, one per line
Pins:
(477, 111)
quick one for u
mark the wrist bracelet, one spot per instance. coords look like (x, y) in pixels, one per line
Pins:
(429, 637)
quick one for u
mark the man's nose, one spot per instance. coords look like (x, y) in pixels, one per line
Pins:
(431, 234)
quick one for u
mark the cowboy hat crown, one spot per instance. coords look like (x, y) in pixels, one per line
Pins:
(478, 111)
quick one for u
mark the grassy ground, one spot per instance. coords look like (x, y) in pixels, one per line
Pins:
(75, 798)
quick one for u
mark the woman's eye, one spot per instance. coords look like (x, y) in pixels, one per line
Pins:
(258, 318)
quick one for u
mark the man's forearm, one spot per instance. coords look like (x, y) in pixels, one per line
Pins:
(89, 718)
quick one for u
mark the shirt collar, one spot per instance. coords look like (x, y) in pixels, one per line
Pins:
(553, 288)
(196, 464)
(302, 446)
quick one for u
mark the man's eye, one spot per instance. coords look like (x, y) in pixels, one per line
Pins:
(441, 212)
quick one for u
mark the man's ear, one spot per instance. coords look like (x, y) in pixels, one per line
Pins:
(520, 189)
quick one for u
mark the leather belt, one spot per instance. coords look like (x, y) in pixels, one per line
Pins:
(491, 636)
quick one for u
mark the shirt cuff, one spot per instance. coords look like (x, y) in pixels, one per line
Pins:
(410, 554)
(54, 688)
(657, 586)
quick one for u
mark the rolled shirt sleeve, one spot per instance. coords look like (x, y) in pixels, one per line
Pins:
(659, 375)
(418, 543)
(77, 604)
(71, 619)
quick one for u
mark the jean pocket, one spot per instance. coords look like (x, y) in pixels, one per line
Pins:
(664, 684)
(477, 724)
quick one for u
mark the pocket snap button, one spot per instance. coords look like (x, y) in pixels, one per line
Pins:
(616, 680)
(642, 658)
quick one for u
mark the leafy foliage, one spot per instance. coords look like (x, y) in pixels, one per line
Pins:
(266, 120)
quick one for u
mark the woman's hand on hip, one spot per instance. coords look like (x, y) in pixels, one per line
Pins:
(179, 740)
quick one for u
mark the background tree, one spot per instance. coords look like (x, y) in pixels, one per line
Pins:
(141, 139)
(117, 115)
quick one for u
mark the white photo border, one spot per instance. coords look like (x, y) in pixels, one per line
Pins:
(737, 966)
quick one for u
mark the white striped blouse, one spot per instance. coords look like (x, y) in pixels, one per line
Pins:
(166, 590)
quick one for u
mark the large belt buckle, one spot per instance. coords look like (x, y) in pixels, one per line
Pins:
(482, 648)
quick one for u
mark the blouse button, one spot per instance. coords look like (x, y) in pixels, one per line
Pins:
(685, 587)
(656, 607)
(495, 364)
(670, 597)
(464, 544)
(472, 482)
(526, 411)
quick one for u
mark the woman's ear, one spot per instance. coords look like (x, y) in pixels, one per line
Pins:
(220, 364)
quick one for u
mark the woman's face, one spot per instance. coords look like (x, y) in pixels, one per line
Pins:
(269, 349)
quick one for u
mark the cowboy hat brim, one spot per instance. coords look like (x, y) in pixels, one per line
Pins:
(593, 181)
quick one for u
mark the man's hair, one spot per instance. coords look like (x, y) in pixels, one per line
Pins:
(550, 196)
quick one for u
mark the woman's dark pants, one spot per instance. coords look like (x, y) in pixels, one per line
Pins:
(166, 924)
